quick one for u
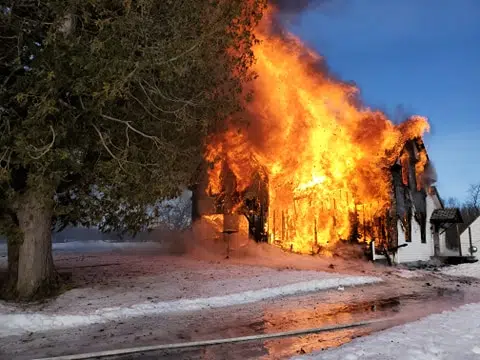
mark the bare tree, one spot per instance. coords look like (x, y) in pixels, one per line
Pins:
(452, 202)
(474, 198)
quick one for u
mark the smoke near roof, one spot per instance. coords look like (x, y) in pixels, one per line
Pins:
(289, 11)
(293, 7)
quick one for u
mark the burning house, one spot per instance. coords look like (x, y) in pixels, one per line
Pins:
(312, 166)
(411, 228)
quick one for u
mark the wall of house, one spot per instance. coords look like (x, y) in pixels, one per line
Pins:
(465, 239)
(416, 250)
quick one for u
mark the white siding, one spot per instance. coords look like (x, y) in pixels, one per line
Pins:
(416, 250)
(465, 241)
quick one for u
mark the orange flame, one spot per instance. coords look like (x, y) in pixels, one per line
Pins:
(405, 161)
(325, 157)
(420, 169)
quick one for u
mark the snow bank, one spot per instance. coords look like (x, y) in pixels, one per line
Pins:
(101, 245)
(19, 323)
(407, 274)
(471, 270)
(88, 246)
(448, 335)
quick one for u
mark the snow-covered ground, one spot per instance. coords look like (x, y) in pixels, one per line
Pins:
(102, 280)
(18, 323)
(117, 281)
(470, 270)
(123, 292)
(448, 335)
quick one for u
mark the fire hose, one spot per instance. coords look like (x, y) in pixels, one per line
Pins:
(202, 343)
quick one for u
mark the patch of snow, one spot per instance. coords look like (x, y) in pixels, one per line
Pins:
(448, 335)
(88, 246)
(471, 270)
(19, 323)
(101, 245)
(407, 274)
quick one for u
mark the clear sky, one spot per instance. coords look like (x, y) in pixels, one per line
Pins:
(421, 54)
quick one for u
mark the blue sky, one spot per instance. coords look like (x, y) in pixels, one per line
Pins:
(421, 54)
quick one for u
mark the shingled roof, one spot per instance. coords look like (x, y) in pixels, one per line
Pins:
(446, 215)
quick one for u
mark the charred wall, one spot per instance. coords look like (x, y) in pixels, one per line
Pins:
(409, 189)
(251, 202)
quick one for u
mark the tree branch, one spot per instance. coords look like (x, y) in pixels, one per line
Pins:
(127, 123)
(102, 140)
(180, 113)
(156, 106)
(173, 99)
(189, 50)
(46, 148)
(120, 161)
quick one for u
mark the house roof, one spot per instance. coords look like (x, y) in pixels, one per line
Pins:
(446, 215)
(471, 223)
(434, 192)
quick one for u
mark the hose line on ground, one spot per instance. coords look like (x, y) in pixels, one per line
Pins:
(201, 343)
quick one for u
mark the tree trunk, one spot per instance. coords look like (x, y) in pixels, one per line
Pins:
(436, 240)
(195, 211)
(36, 274)
(13, 249)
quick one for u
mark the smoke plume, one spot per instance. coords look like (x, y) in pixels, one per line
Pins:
(294, 7)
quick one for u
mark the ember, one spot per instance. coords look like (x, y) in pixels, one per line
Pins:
(325, 157)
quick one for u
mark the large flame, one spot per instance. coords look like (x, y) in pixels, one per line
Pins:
(325, 156)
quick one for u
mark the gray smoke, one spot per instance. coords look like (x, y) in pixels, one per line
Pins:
(289, 11)
(293, 7)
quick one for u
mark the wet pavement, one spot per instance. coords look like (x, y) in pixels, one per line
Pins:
(401, 308)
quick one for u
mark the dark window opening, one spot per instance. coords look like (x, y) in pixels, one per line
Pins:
(422, 222)
(408, 226)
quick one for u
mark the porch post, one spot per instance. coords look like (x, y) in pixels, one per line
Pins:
(458, 240)
(436, 241)
(470, 240)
